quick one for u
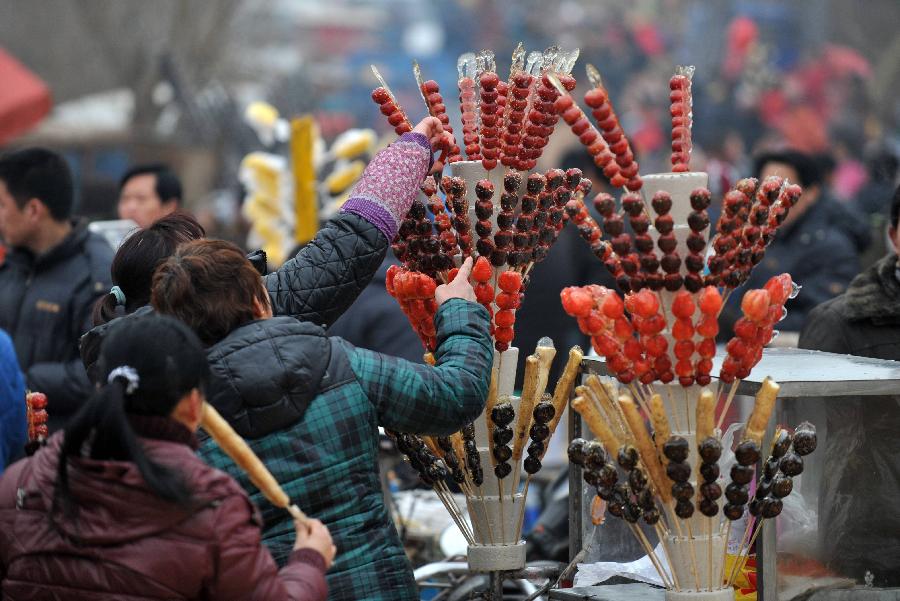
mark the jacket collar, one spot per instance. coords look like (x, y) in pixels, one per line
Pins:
(70, 245)
(875, 293)
(162, 428)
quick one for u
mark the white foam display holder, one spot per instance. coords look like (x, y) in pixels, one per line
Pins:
(497, 558)
(722, 594)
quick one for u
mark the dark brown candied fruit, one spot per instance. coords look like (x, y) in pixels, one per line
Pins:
(664, 224)
(595, 455)
(678, 472)
(649, 263)
(737, 494)
(483, 228)
(616, 507)
(508, 201)
(640, 224)
(535, 183)
(708, 507)
(733, 512)
(695, 242)
(417, 210)
(502, 470)
(520, 238)
(476, 473)
(667, 243)
(484, 209)
(710, 449)
(709, 471)
(512, 181)
(502, 414)
(605, 204)
(753, 507)
(694, 262)
(423, 228)
(676, 449)
(645, 499)
(605, 492)
(614, 225)
(633, 204)
(543, 412)
(536, 448)
(499, 257)
(662, 202)
(770, 469)
(502, 453)
(684, 509)
(627, 457)
(683, 491)
(710, 490)
(621, 244)
(670, 263)
(591, 477)
(457, 186)
(539, 432)
(631, 513)
(782, 486)
(502, 435)
(791, 464)
(485, 247)
(555, 178)
(698, 221)
(529, 204)
(532, 464)
(741, 474)
(637, 479)
(608, 475)
(503, 239)
(643, 243)
(763, 488)
(484, 189)
(505, 219)
(747, 452)
(771, 508)
(805, 440)
(700, 199)
(782, 443)
(651, 516)
(693, 282)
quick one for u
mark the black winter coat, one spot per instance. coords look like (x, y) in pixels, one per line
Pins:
(857, 502)
(317, 285)
(45, 306)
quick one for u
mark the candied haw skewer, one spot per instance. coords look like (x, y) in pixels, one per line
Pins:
(468, 106)
(698, 221)
(676, 449)
(503, 237)
(484, 210)
(633, 205)
(587, 134)
(615, 261)
(710, 451)
(521, 255)
(390, 109)
(608, 123)
(455, 188)
(670, 263)
(514, 117)
(736, 209)
(683, 332)
(510, 284)
(491, 117)
(710, 303)
(681, 111)
(482, 273)
(534, 252)
(431, 91)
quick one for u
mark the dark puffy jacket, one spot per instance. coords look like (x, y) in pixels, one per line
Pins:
(127, 543)
(317, 285)
(819, 256)
(45, 306)
(310, 407)
(857, 502)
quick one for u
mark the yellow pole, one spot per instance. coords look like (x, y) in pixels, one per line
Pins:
(306, 206)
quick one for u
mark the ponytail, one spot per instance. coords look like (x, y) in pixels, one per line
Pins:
(103, 419)
(105, 309)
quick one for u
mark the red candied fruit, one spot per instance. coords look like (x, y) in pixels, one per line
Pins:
(645, 303)
(780, 288)
(755, 305)
(505, 300)
(505, 318)
(484, 293)
(683, 329)
(683, 305)
(510, 281)
(613, 307)
(606, 345)
(577, 302)
(708, 326)
(710, 301)
(482, 271)
(503, 334)
(381, 95)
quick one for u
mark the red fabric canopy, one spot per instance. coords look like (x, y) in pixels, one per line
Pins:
(24, 98)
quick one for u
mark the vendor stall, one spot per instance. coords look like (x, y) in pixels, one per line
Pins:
(808, 379)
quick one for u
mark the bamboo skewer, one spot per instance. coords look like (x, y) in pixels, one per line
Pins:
(691, 542)
(744, 555)
(240, 452)
(725, 553)
(639, 535)
(727, 405)
(672, 575)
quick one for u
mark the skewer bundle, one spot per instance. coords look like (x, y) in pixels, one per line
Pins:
(657, 481)
(36, 419)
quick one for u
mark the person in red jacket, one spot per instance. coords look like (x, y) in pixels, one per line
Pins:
(119, 506)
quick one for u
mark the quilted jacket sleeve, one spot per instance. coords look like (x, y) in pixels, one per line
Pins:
(329, 273)
(245, 568)
(439, 400)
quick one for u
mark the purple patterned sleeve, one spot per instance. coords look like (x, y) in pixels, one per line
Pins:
(391, 182)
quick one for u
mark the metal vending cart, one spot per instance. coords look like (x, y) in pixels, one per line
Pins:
(809, 381)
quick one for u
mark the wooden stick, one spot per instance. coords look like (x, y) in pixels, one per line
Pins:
(612, 410)
(743, 557)
(453, 507)
(645, 447)
(649, 550)
(675, 421)
(709, 552)
(240, 452)
(665, 546)
(727, 405)
(691, 542)
(522, 510)
(596, 425)
(687, 409)
(564, 385)
(731, 574)
(502, 519)
(491, 402)
(725, 553)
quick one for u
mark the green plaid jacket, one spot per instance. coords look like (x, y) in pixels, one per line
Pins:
(327, 460)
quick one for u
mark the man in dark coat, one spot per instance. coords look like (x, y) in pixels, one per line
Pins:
(857, 504)
(819, 255)
(51, 277)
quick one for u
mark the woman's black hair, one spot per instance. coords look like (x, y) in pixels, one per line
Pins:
(169, 362)
(138, 257)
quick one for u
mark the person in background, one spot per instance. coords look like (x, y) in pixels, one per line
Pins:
(377, 322)
(51, 277)
(148, 193)
(13, 429)
(873, 200)
(862, 449)
(120, 506)
(819, 255)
